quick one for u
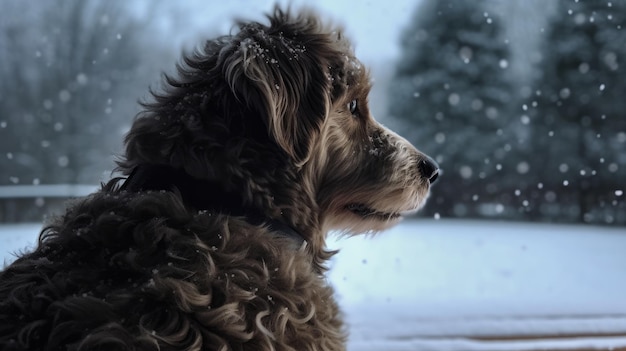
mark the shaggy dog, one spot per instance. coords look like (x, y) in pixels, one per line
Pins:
(215, 239)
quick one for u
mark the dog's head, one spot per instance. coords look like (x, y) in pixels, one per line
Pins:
(278, 112)
(368, 176)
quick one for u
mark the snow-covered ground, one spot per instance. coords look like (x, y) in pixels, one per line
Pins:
(465, 285)
(471, 285)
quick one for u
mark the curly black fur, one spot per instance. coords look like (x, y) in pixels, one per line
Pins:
(150, 270)
(122, 271)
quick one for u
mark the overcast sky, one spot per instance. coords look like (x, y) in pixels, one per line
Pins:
(373, 26)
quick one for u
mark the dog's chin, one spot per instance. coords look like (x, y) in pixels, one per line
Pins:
(360, 218)
(369, 213)
(357, 218)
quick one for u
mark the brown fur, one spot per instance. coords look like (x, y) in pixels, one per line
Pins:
(263, 113)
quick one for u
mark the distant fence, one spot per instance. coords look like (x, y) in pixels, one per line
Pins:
(32, 203)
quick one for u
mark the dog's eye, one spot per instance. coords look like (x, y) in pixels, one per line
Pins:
(353, 106)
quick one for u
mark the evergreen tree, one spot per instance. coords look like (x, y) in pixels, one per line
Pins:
(451, 93)
(579, 122)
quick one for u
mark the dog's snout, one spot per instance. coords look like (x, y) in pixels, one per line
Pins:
(429, 169)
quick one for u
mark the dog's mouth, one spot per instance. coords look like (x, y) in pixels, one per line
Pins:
(367, 212)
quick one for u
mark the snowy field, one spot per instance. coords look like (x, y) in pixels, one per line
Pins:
(471, 285)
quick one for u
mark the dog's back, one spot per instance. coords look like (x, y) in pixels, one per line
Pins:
(128, 271)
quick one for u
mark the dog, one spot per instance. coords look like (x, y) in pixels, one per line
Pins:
(213, 236)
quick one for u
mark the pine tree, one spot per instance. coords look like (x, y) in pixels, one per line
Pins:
(451, 93)
(579, 122)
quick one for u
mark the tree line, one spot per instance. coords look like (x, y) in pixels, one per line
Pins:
(555, 151)
(72, 72)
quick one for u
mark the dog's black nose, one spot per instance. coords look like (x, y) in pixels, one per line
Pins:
(429, 169)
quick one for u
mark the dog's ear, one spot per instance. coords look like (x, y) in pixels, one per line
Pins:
(280, 72)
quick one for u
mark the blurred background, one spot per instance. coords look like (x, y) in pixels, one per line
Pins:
(520, 101)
